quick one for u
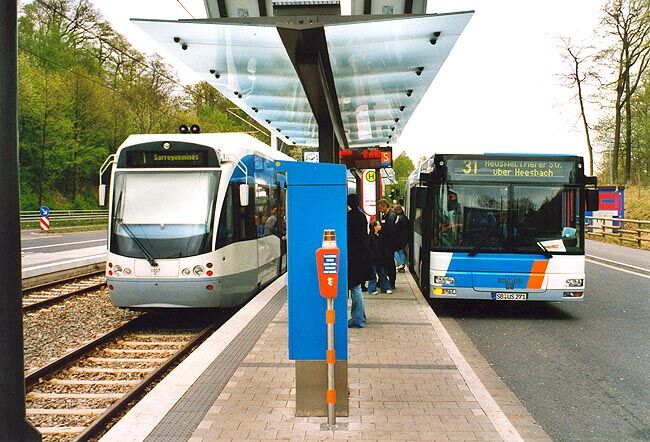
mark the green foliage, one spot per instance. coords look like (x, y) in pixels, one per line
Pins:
(82, 90)
(403, 166)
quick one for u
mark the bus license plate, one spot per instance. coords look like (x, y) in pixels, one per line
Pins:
(500, 296)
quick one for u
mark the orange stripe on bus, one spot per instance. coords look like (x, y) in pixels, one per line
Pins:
(329, 316)
(537, 273)
(331, 358)
(331, 396)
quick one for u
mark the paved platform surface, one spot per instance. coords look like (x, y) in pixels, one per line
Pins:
(407, 380)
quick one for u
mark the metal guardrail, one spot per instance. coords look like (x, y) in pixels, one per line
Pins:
(33, 216)
(619, 228)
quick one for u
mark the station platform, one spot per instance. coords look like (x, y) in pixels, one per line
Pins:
(407, 380)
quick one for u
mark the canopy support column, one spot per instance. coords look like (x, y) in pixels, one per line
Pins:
(307, 49)
(13, 424)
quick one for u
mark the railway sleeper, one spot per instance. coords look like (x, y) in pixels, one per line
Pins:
(60, 430)
(125, 360)
(66, 411)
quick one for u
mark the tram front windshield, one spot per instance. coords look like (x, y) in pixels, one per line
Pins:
(510, 218)
(163, 214)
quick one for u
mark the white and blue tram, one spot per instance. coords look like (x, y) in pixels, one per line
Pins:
(195, 220)
(500, 227)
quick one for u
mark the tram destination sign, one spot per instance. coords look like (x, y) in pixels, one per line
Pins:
(195, 158)
(491, 169)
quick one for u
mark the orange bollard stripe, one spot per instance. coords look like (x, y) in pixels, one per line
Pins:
(331, 396)
(331, 358)
(329, 316)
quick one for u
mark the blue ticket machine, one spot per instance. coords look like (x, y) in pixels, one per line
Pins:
(316, 201)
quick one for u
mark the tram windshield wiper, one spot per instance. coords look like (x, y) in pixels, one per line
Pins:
(545, 252)
(137, 242)
(135, 239)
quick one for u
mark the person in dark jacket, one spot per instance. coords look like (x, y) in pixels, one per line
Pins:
(402, 234)
(377, 258)
(359, 266)
(387, 218)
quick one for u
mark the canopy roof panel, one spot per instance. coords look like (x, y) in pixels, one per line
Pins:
(381, 69)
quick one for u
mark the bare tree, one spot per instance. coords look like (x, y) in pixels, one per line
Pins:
(578, 77)
(628, 21)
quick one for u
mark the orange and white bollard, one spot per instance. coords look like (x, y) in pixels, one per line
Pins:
(327, 260)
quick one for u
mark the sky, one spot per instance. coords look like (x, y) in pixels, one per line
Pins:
(498, 91)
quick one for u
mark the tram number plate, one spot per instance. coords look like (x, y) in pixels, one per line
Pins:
(503, 296)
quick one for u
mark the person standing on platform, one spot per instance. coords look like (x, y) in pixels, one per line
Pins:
(359, 267)
(402, 234)
(377, 259)
(388, 218)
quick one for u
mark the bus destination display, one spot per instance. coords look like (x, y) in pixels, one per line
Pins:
(525, 170)
(167, 159)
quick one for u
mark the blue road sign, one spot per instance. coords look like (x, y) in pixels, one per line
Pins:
(44, 211)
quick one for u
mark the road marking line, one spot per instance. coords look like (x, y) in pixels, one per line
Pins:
(617, 262)
(618, 268)
(58, 263)
(499, 420)
(64, 244)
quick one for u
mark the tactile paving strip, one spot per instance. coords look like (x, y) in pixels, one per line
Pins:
(185, 416)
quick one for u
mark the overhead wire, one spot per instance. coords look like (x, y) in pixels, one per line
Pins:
(183, 6)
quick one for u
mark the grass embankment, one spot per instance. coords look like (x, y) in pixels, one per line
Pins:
(637, 207)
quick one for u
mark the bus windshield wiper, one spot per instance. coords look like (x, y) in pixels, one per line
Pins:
(482, 243)
(545, 252)
(135, 239)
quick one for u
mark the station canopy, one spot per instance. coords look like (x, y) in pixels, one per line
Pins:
(365, 75)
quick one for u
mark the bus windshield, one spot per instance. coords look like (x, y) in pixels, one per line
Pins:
(163, 214)
(510, 218)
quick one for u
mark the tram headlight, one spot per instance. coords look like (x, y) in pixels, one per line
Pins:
(575, 282)
(127, 271)
(448, 280)
(186, 272)
(117, 270)
(198, 270)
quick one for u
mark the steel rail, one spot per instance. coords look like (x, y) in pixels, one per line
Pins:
(33, 376)
(56, 299)
(99, 424)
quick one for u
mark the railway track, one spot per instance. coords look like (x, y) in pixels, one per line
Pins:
(35, 298)
(74, 397)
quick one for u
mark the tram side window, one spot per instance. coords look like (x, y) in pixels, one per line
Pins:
(245, 218)
(279, 200)
(226, 231)
(262, 212)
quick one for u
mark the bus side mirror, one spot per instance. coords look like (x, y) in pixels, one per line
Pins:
(243, 195)
(592, 200)
(102, 195)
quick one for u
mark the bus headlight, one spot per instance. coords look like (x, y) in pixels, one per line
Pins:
(127, 271)
(186, 272)
(117, 270)
(448, 280)
(575, 282)
(198, 270)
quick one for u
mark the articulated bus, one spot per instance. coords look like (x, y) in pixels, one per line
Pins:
(500, 227)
